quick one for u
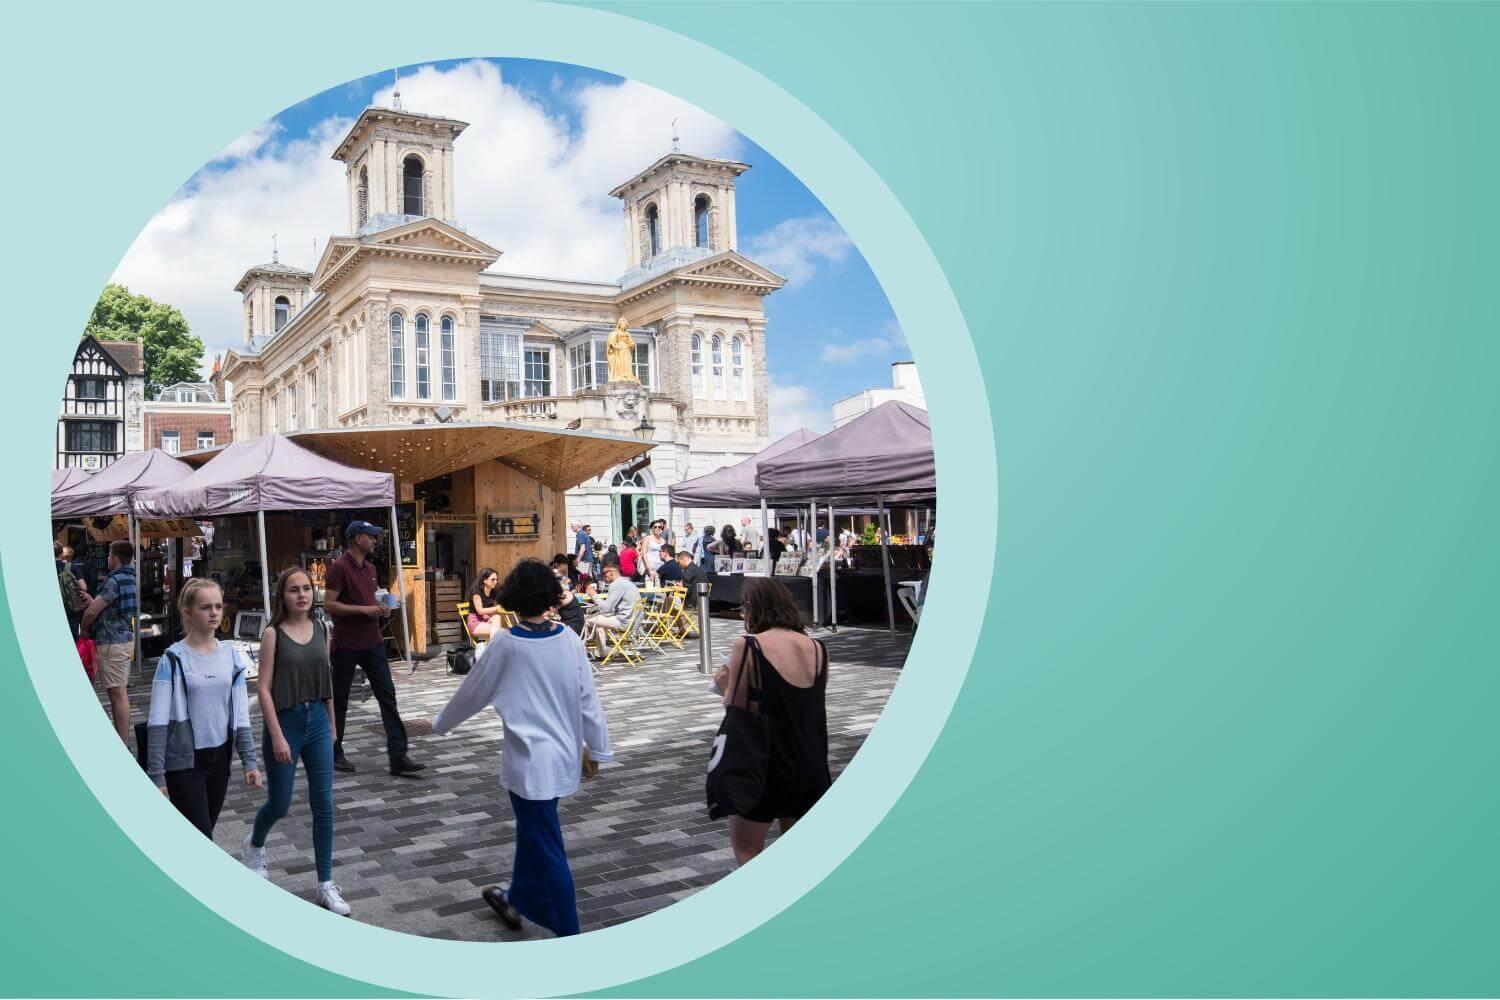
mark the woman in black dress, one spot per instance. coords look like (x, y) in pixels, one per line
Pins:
(787, 684)
(729, 544)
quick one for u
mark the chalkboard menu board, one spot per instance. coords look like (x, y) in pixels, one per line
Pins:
(406, 528)
(511, 526)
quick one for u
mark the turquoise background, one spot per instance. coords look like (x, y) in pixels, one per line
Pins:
(1228, 272)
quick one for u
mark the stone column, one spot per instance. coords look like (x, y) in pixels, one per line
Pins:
(376, 157)
(674, 357)
(468, 349)
(448, 181)
(726, 225)
(378, 360)
(325, 404)
(630, 243)
(759, 380)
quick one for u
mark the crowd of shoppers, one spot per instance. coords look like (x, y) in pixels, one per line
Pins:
(535, 674)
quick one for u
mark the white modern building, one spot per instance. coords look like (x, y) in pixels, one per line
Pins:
(905, 387)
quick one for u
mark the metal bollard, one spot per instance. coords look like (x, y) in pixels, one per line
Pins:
(705, 644)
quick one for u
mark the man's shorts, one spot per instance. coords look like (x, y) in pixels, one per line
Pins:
(113, 663)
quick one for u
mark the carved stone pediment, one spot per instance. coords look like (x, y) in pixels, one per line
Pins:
(733, 267)
(424, 238)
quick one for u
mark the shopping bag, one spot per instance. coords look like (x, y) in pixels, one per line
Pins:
(85, 647)
(741, 752)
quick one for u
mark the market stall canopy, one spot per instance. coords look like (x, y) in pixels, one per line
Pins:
(734, 485)
(66, 479)
(112, 489)
(267, 473)
(885, 453)
(557, 458)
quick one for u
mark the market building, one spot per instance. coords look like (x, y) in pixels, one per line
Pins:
(100, 419)
(403, 322)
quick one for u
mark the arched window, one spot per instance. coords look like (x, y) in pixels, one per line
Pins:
(424, 366)
(411, 186)
(283, 311)
(449, 360)
(716, 351)
(653, 230)
(398, 357)
(698, 391)
(737, 366)
(623, 480)
(362, 197)
(700, 220)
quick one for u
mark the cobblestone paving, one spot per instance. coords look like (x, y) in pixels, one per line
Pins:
(411, 854)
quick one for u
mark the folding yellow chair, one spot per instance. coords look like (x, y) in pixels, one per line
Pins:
(464, 609)
(659, 623)
(623, 641)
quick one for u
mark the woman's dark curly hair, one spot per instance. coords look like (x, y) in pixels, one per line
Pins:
(530, 589)
(767, 603)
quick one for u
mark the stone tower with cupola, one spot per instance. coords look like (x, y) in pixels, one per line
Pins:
(679, 209)
(398, 167)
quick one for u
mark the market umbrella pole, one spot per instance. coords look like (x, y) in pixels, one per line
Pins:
(812, 546)
(885, 561)
(765, 540)
(135, 558)
(265, 566)
(401, 589)
(833, 573)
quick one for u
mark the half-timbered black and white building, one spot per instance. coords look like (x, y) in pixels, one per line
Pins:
(101, 408)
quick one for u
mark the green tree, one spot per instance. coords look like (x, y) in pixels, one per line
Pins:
(172, 353)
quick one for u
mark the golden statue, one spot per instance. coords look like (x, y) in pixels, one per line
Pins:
(621, 354)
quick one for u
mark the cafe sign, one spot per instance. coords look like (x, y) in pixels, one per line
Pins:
(511, 526)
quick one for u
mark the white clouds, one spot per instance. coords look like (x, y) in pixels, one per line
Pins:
(533, 185)
(793, 248)
(249, 143)
(890, 341)
(794, 406)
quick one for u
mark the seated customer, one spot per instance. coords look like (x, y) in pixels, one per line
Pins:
(689, 574)
(570, 611)
(669, 573)
(613, 614)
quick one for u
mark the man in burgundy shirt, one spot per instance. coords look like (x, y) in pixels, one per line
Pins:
(349, 598)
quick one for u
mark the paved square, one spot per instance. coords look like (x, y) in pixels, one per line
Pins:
(412, 854)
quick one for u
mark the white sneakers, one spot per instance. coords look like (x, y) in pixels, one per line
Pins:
(255, 858)
(330, 899)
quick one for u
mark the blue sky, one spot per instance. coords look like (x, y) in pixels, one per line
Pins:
(546, 143)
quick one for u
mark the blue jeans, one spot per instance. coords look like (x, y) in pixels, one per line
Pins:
(305, 729)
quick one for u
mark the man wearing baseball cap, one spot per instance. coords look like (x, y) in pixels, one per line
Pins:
(349, 598)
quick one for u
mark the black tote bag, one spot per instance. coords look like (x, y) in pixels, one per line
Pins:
(741, 752)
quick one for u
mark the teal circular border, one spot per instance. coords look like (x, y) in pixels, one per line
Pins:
(928, 312)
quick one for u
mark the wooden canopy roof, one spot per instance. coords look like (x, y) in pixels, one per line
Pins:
(414, 453)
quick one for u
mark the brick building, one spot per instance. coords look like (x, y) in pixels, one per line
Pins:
(187, 416)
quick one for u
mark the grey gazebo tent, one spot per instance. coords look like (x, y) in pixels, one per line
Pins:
(884, 455)
(66, 479)
(274, 473)
(111, 490)
(734, 485)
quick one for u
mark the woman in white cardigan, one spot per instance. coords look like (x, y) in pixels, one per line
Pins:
(537, 677)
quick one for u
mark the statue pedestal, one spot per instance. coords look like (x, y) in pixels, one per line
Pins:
(627, 400)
